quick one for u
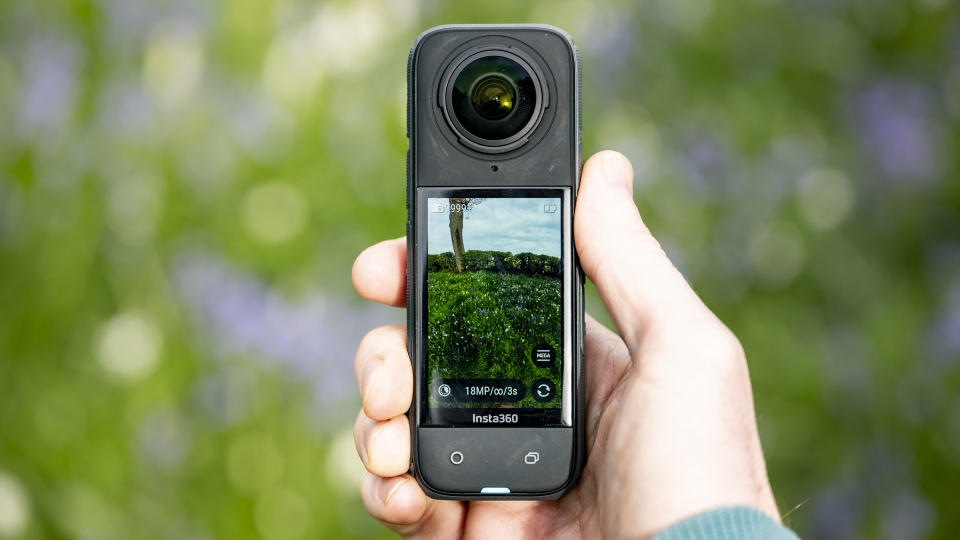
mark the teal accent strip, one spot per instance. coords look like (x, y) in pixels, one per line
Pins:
(495, 491)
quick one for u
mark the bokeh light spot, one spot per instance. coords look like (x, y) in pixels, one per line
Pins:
(825, 198)
(338, 39)
(274, 212)
(173, 63)
(344, 468)
(291, 72)
(14, 506)
(777, 254)
(129, 346)
(254, 463)
(86, 514)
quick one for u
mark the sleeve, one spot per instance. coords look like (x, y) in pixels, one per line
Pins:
(734, 523)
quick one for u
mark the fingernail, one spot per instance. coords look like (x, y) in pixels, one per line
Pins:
(369, 374)
(362, 451)
(616, 171)
(360, 438)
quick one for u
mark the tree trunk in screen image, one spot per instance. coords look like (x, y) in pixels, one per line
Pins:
(457, 208)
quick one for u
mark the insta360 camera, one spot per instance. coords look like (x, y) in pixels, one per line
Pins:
(495, 291)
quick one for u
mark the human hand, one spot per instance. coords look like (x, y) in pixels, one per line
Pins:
(670, 423)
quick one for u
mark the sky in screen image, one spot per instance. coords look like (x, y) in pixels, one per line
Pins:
(516, 225)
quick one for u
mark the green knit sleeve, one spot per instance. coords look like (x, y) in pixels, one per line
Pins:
(734, 523)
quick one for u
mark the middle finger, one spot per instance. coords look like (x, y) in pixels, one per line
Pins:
(384, 372)
(384, 447)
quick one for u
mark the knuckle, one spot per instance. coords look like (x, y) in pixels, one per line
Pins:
(378, 340)
(385, 448)
(705, 343)
(718, 349)
(378, 336)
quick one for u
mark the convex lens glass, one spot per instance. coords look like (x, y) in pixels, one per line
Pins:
(493, 97)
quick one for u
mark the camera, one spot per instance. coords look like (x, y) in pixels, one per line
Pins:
(495, 290)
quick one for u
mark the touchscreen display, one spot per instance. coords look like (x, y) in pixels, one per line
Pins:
(494, 310)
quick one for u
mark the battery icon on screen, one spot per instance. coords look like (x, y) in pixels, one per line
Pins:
(549, 208)
(437, 208)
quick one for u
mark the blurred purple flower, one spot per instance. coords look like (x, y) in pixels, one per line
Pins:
(837, 513)
(908, 514)
(945, 333)
(898, 129)
(708, 156)
(129, 22)
(260, 126)
(942, 274)
(51, 65)
(125, 110)
(224, 396)
(706, 162)
(840, 509)
(610, 39)
(163, 441)
(315, 339)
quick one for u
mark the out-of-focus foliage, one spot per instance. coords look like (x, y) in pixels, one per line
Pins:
(184, 185)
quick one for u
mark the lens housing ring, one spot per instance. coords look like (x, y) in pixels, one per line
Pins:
(480, 144)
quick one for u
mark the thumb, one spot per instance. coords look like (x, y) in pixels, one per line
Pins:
(639, 285)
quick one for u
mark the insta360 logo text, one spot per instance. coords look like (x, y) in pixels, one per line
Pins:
(495, 418)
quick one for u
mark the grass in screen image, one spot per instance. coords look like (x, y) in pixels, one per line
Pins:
(494, 290)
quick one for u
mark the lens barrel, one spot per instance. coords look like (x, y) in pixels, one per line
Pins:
(492, 99)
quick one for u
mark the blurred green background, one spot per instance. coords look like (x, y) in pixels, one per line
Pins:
(184, 186)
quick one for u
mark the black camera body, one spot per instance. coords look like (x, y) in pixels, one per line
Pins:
(494, 288)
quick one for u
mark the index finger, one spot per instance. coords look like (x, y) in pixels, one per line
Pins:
(379, 273)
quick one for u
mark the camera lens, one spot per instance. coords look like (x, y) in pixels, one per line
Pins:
(494, 98)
